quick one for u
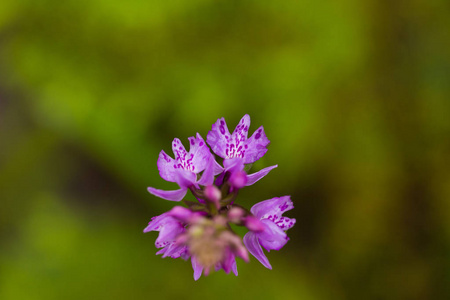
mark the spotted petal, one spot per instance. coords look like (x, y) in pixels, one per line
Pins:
(157, 222)
(237, 144)
(228, 145)
(241, 130)
(168, 232)
(169, 170)
(272, 207)
(218, 137)
(200, 153)
(166, 166)
(194, 161)
(256, 146)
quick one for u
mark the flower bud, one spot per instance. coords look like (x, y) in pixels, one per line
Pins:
(180, 213)
(213, 194)
(238, 179)
(235, 214)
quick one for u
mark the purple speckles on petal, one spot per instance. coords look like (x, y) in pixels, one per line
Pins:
(284, 206)
(222, 129)
(186, 164)
(165, 157)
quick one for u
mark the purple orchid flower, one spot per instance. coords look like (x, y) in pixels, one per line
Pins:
(169, 229)
(236, 149)
(202, 230)
(228, 145)
(273, 236)
(184, 168)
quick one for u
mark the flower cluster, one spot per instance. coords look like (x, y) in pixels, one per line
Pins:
(201, 231)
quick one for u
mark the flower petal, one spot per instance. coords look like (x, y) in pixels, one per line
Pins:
(173, 171)
(168, 232)
(218, 136)
(176, 195)
(178, 149)
(166, 166)
(241, 130)
(253, 246)
(285, 223)
(257, 146)
(252, 178)
(227, 263)
(197, 268)
(174, 250)
(157, 222)
(273, 237)
(185, 178)
(208, 175)
(181, 213)
(217, 168)
(273, 207)
(233, 164)
(234, 268)
(199, 154)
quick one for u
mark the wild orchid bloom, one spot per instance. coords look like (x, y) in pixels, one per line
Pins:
(202, 231)
(184, 168)
(272, 234)
(236, 149)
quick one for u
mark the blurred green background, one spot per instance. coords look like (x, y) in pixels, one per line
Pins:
(354, 96)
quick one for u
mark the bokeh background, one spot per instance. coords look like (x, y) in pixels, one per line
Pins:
(354, 96)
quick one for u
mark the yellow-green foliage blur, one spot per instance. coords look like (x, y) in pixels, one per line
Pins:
(354, 96)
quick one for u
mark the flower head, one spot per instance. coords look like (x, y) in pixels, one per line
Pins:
(272, 235)
(201, 231)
